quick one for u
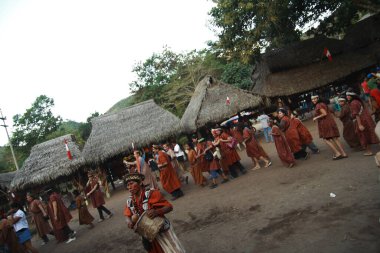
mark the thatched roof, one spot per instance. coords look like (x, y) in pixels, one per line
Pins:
(6, 179)
(208, 103)
(140, 124)
(47, 162)
(318, 74)
(301, 66)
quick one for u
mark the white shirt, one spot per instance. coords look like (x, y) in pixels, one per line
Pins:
(263, 120)
(178, 151)
(22, 223)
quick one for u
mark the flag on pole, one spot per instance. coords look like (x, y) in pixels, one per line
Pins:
(228, 101)
(68, 151)
(327, 53)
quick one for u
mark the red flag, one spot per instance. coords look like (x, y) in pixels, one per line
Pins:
(327, 53)
(228, 102)
(68, 151)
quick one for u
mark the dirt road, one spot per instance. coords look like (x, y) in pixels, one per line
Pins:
(270, 210)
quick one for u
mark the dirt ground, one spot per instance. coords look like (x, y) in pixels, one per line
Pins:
(270, 210)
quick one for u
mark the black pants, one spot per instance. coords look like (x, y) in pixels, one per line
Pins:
(67, 232)
(100, 211)
(45, 238)
(177, 193)
(236, 166)
(300, 154)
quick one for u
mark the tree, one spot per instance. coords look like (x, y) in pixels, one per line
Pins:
(157, 70)
(248, 27)
(34, 125)
(237, 74)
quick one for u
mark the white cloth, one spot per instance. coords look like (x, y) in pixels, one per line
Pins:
(169, 242)
(22, 223)
(263, 120)
(178, 151)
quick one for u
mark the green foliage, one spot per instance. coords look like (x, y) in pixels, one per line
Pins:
(34, 125)
(237, 74)
(247, 27)
(122, 104)
(157, 70)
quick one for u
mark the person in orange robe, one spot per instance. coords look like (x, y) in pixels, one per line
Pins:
(157, 206)
(60, 217)
(364, 124)
(291, 135)
(238, 135)
(200, 147)
(168, 176)
(282, 146)
(344, 115)
(254, 149)
(39, 215)
(84, 216)
(304, 133)
(327, 128)
(96, 196)
(195, 170)
(230, 157)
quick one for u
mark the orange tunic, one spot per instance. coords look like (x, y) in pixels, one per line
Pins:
(43, 227)
(253, 148)
(168, 175)
(282, 146)
(97, 197)
(156, 200)
(291, 134)
(229, 155)
(195, 170)
(202, 163)
(84, 215)
(327, 127)
(304, 133)
(63, 216)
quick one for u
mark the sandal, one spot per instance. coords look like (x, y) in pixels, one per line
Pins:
(368, 154)
(337, 157)
(269, 164)
(345, 156)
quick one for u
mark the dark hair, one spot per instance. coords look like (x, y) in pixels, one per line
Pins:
(76, 192)
(16, 205)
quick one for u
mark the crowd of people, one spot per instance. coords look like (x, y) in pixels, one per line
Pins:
(210, 158)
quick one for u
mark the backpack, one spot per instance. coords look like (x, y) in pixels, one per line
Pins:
(209, 156)
(233, 143)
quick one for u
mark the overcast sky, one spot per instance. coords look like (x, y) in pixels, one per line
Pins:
(81, 52)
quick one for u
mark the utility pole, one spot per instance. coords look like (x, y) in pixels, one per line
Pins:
(9, 140)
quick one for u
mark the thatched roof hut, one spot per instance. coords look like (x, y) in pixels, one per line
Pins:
(47, 162)
(318, 74)
(208, 103)
(302, 67)
(6, 179)
(140, 124)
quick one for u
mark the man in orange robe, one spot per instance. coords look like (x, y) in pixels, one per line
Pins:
(157, 206)
(168, 176)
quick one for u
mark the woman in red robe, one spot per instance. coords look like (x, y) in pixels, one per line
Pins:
(282, 146)
(60, 218)
(230, 157)
(254, 149)
(291, 135)
(195, 170)
(364, 124)
(305, 136)
(168, 176)
(344, 115)
(327, 128)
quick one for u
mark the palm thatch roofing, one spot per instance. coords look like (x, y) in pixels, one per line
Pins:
(302, 67)
(47, 162)
(6, 179)
(140, 124)
(208, 103)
